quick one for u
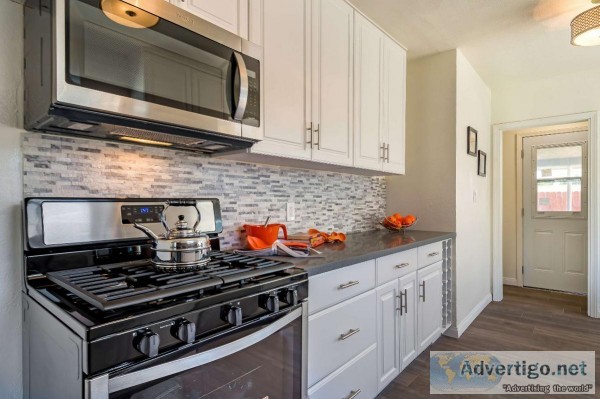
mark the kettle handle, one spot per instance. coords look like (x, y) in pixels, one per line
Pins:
(179, 202)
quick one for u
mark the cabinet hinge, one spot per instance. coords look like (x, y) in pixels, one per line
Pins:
(522, 211)
(523, 269)
(522, 154)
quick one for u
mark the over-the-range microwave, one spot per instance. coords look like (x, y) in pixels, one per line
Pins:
(139, 70)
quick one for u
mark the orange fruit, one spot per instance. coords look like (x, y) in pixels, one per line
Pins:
(397, 216)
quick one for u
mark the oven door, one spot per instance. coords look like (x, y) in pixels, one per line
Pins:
(264, 360)
(154, 61)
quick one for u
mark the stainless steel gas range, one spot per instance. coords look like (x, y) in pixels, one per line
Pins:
(100, 321)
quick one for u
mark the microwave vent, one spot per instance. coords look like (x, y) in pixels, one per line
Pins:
(206, 146)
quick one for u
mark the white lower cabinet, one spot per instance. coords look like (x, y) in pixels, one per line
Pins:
(356, 379)
(388, 332)
(359, 341)
(338, 334)
(409, 343)
(429, 305)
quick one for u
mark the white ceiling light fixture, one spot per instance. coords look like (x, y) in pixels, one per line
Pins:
(585, 28)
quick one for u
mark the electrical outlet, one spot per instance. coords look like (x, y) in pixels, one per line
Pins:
(291, 211)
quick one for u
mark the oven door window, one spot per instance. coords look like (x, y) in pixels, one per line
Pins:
(155, 62)
(269, 369)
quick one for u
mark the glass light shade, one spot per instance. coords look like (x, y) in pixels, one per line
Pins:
(128, 15)
(585, 28)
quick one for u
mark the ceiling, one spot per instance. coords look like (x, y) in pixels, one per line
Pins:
(502, 39)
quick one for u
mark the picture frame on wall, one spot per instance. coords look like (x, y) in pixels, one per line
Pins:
(471, 141)
(481, 163)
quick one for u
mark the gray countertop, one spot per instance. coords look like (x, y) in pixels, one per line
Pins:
(360, 247)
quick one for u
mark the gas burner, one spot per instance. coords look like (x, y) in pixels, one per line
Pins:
(115, 286)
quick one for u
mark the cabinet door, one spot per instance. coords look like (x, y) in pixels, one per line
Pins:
(286, 76)
(388, 352)
(394, 104)
(408, 337)
(368, 94)
(430, 305)
(332, 81)
(231, 15)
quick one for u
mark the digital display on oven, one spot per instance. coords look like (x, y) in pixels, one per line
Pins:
(141, 213)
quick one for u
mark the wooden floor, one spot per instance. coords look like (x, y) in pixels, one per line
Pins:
(528, 320)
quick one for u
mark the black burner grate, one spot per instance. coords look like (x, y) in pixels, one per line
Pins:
(124, 284)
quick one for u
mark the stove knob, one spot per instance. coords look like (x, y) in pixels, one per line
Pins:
(290, 296)
(232, 315)
(185, 331)
(270, 302)
(148, 342)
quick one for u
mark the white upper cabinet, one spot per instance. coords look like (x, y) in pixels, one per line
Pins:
(333, 84)
(379, 98)
(231, 15)
(285, 38)
(394, 106)
(368, 94)
(332, 81)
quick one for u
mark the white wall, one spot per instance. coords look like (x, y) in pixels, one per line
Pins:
(473, 252)
(444, 96)
(11, 100)
(427, 190)
(516, 100)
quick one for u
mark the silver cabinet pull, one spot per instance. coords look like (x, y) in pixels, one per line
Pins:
(348, 284)
(401, 265)
(403, 297)
(318, 133)
(354, 394)
(310, 140)
(382, 147)
(431, 255)
(349, 334)
(387, 158)
(423, 296)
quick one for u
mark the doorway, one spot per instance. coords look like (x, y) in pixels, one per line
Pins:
(554, 210)
(498, 204)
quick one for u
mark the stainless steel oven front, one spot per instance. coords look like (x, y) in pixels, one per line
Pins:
(150, 60)
(265, 359)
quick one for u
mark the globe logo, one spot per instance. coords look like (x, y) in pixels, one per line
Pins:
(463, 371)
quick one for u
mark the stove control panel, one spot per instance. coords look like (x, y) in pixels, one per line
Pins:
(131, 214)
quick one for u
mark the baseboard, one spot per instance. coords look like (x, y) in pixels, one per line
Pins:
(509, 281)
(457, 331)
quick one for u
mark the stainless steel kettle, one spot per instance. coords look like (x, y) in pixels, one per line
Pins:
(180, 248)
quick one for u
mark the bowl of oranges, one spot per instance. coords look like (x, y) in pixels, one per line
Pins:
(397, 222)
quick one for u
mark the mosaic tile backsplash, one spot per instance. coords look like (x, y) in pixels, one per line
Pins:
(56, 166)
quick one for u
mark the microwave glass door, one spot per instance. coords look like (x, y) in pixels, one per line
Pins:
(155, 61)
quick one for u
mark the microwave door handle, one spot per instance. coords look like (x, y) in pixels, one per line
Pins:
(135, 378)
(243, 98)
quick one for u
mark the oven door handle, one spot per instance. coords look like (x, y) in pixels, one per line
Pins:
(100, 387)
(242, 101)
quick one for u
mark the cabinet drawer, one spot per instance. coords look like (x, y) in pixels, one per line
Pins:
(430, 254)
(338, 285)
(396, 265)
(358, 374)
(338, 334)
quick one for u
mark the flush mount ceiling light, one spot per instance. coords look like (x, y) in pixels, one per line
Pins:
(585, 28)
(127, 15)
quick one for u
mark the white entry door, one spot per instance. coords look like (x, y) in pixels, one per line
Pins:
(555, 211)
